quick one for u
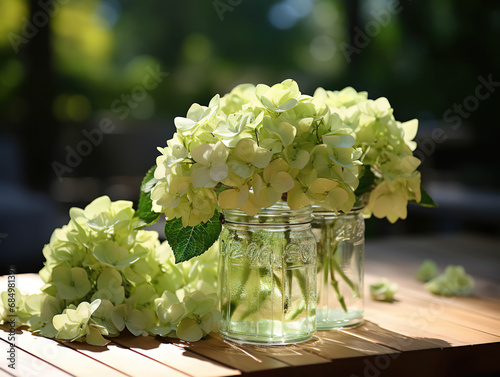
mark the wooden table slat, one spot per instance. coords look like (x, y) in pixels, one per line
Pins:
(123, 359)
(4, 373)
(174, 356)
(456, 314)
(61, 356)
(295, 355)
(329, 349)
(400, 325)
(244, 358)
(431, 327)
(364, 346)
(409, 286)
(28, 365)
(427, 315)
(373, 332)
(291, 355)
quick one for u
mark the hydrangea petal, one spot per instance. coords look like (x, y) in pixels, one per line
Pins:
(189, 330)
(282, 182)
(218, 172)
(219, 153)
(267, 196)
(97, 207)
(228, 199)
(243, 170)
(94, 336)
(245, 150)
(202, 153)
(297, 198)
(200, 176)
(112, 254)
(252, 206)
(261, 158)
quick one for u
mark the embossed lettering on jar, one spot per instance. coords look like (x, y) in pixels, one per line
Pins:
(267, 276)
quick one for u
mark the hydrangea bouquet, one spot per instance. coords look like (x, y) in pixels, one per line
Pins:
(258, 144)
(103, 275)
(248, 150)
(389, 175)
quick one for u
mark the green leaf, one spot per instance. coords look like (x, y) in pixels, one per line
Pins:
(144, 212)
(191, 241)
(365, 182)
(426, 200)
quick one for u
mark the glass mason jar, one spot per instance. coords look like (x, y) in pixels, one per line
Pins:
(267, 276)
(340, 242)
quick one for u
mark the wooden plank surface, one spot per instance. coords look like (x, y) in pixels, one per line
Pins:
(371, 331)
(430, 318)
(120, 358)
(26, 364)
(364, 346)
(61, 356)
(244, 358)
(467, 316)
(5, 373)
(419, 334)
(174, 356)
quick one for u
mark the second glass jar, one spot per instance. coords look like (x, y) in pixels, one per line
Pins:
(340, 243)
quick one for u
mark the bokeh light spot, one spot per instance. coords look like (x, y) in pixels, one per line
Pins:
(322, 48)
(74, 107)
(13, 14)
(197, 48)
(283, 16)
(109, 11)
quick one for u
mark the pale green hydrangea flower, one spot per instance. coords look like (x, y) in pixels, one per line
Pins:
(387, 149)
(103, 275)
(334, 133)
(454, 282)
(253, 147)
(383, 290)
(427, 271)
(75, 323)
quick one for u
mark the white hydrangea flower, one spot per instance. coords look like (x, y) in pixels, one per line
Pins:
(197, 116)
(229, 146)
(210, 166)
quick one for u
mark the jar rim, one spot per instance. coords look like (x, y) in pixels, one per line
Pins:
(328, 212)
(277, 214)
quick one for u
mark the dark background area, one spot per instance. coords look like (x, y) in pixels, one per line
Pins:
(71, 67)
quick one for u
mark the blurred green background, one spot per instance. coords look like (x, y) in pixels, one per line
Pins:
(89, 89)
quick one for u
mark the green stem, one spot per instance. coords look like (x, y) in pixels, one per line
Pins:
(344, 277)
(263, 295)
(302, 285)
(300, 279)
(340, 297)
(330, 265)
(335, 285)
(299, 310)
(286, 300)
(302, 282)
(236, 298)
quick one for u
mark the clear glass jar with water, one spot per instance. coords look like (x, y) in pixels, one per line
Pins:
(340, 244)
(267, 276)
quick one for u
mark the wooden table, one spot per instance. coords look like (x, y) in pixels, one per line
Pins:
(419, 335)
